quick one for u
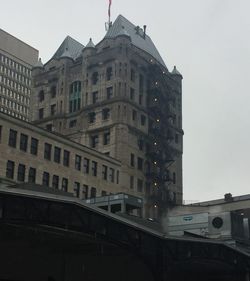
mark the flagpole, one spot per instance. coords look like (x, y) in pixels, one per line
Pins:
(109, 23)
(110, 2)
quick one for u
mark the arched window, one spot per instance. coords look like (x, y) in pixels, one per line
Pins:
(75, 96)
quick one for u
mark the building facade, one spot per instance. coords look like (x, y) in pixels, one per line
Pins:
(119, 98)
(16, 61)
(32, 154)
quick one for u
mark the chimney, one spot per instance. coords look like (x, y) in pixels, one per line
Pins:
(228, 197)
(144, 31)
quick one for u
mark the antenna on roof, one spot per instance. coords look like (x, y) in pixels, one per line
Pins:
(109, 23)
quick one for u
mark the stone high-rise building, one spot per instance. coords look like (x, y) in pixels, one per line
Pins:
(16, 61)
(119, 98)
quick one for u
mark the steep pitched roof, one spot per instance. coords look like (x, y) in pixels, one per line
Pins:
(136, 34)
(73, 48)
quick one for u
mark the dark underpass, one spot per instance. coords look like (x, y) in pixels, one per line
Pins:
(53, 237)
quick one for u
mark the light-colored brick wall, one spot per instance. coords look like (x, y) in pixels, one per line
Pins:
(40, 164)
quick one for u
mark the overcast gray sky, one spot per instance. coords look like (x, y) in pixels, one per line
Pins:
(208, 41)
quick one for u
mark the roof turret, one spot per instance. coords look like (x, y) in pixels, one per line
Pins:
(176, 72)
(90, 44)
(39, 64)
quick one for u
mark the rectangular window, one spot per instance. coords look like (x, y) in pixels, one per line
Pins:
(66, 155)
(1, 133)
(41, 113)
(141, 144)
(109, 73)
(86, 165)
(143, 120)
(21, 172)
(139, 163)
(106, 138)
(91, 117)
(85, 191)
(53, 91)
(105, 113)
(55, 182)
(111, 174)
(12, 138)
(104, 172)
(94, 141)
(49, 127)
(176, 138)
(109, 93)
(57, 154)
(139, 185)
(23, 142)
(77, 189)
(104, 193)
(72, 123)
(10, 167)
(34, 146)
(32, 175)
(93, 192)
(64, 184)
(134, 115)
(94, 168)
(132, 160)
(141, 83)
(94, 78)
(131, 182)
(94, 97)
(47, 151)
(117, 177)
(132, 94)
(78, 161)
(45, 178)
(132, 75)
(174, 178)
(53, 109)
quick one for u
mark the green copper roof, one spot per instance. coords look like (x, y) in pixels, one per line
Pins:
(136, 34)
